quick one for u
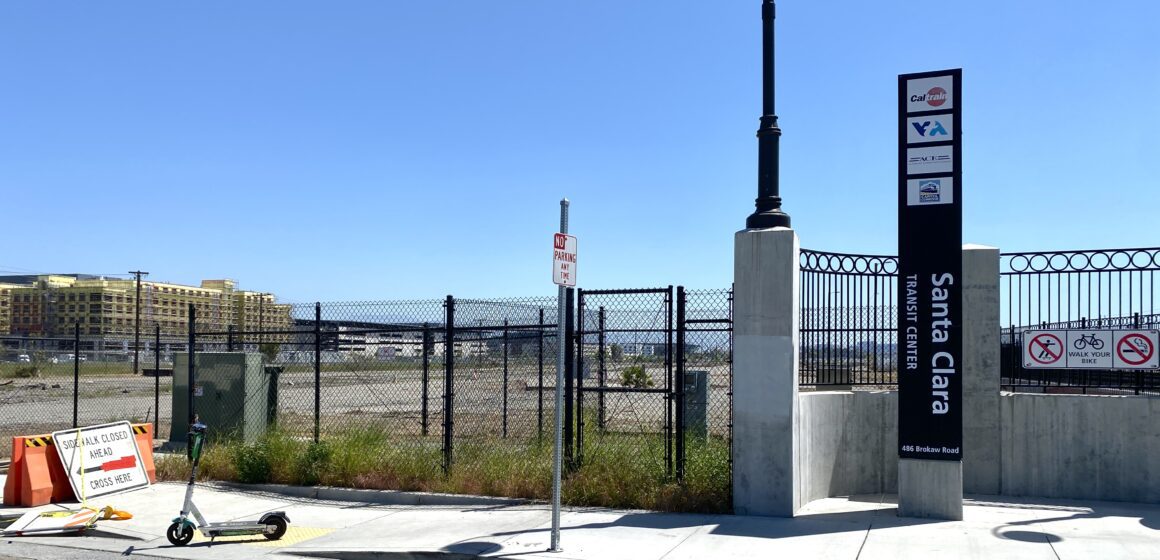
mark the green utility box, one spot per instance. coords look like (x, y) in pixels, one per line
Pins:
(232, 395)
(696, 402)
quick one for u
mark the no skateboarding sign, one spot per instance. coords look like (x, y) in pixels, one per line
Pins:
(1091, 349)
(101, 460)
(1044, 350)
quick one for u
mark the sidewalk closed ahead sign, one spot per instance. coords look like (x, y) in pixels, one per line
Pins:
(101, 460)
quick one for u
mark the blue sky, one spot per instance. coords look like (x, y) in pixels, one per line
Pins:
(388, 149)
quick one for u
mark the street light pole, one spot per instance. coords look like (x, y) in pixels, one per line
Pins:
(768, 213)
(137, 322)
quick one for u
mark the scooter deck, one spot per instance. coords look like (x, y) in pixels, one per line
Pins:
(233, 528)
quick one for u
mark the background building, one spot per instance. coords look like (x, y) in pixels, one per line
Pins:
(50, 305)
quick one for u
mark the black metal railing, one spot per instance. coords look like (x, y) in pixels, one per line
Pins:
(848, 324)
(1087, 289)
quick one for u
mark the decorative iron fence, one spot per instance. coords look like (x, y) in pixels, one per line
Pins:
(1088, 289)
(848, 330)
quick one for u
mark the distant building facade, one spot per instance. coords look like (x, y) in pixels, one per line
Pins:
(50, 306)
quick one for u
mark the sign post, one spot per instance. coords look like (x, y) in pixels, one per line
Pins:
(564, 275)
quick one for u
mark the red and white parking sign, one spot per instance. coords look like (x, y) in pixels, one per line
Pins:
(564, 260)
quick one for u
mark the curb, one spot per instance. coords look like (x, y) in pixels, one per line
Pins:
(383, 497)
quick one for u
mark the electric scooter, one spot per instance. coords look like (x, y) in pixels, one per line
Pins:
(271, 525)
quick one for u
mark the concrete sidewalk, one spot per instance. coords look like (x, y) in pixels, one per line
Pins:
(857, 527)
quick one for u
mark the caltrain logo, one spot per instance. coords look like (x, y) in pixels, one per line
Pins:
(934, 97)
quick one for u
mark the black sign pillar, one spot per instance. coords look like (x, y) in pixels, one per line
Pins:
(930, 239)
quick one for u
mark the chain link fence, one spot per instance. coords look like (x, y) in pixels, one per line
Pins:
(426, 377)
(52, 383)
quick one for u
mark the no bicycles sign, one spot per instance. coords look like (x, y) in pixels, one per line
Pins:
(1091, 349)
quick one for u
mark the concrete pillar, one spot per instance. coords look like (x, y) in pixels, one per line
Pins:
(934, 489)
(930, 489)
(765, 372)
(981, 356)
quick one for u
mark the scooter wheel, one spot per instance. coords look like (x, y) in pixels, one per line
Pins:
(179, 534)
(275, 528)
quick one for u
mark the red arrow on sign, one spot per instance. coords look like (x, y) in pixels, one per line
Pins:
(126, 462)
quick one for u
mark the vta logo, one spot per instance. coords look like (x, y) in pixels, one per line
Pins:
(929, 129)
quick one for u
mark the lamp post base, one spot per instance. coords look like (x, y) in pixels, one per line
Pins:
(767, 219)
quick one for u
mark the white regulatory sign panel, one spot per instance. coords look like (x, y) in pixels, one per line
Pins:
(101, 460)
(1136, 350)
(1044, 349)
(564, 260)
(1091, 349)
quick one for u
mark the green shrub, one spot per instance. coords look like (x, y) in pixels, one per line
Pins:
(252, 462)
(635, 376)
(313, 464)
(28, 371)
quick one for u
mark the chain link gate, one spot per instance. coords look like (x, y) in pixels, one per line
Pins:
(628, 334)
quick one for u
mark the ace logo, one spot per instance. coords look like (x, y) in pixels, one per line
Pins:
(929, 129)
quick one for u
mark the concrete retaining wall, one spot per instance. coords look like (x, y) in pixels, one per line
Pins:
(848, 443)
(1051, 446)
(1081, 447)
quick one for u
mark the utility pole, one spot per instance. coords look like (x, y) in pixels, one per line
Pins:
(137, 322)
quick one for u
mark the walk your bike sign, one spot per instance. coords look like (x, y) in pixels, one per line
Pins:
(1091, 349)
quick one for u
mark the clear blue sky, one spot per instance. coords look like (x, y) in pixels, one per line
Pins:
(389, 149)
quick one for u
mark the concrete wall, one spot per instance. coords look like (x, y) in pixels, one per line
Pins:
(1050, 446)
(848, 443)
(1081, 447)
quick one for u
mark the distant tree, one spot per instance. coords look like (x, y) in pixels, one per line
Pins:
(617, 351)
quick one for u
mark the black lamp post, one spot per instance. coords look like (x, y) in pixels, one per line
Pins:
(768, 213)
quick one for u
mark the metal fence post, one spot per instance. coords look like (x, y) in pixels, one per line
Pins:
(229, 338)
(680, 378)
(540, 387)
(192, 359)
(449, 384)
(426, 374)
(601, 372)
(317, 370)
(505, 378)
(669, 382)
(580, 307)
(569, 371)
(156, 376)
(76, 371)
